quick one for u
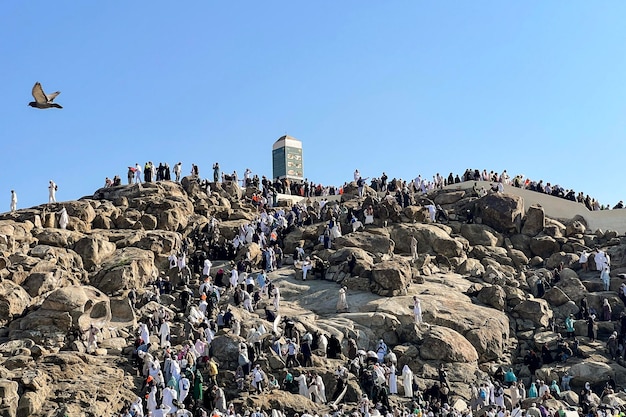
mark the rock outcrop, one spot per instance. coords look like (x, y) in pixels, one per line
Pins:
(489, 289)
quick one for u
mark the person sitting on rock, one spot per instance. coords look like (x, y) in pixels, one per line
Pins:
(307, 265)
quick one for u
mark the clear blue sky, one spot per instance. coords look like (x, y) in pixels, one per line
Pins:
(406, 87)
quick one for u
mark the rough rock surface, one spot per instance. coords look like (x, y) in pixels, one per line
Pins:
(477, 283)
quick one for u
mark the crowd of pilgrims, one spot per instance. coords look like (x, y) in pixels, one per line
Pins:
(269, 189)
(187, 380)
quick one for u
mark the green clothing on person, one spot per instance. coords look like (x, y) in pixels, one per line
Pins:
(197, 386)
(509, 376)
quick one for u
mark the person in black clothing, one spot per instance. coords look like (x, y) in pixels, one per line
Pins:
(546, 355)
(228, 318)
(584, 309)
(269, 314)
(334, 347)
(592, 327)
(532, 361)
(541, 288)
(351, 263)
(305, 349)
(443, 374)
(185, 297)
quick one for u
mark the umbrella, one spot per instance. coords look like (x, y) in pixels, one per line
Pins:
(371, 354)
(361, 352)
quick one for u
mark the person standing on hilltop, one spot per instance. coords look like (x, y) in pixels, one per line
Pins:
(361, 185)
(216, 172)
(177, 170)
(13, 201)
(357, 175)
(52, 189)
(137, 173)
(147, 171)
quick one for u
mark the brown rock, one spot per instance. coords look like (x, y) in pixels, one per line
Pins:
(126, 268)
(450, 197)
(57, 237)
(534, 222)
(535, 310)
(544, 246)
(576, 227)
(471, 267)
(431, 238)
(480, 234)
(570, 260)
(38, 283)
(493, 296)
(10, 398)
(391, 278)
(571, 285)
(373, 243)
(13, 300)
(444, 344)
(556, 297)
(503, 212)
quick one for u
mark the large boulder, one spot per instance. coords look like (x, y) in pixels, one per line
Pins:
(503, 212)
(446, 345)
(38, 283)
(571, 285)
(93, 250)
(480, 234)
(86, 305)
(574, 228)
(556, 297)
(544, 246)
(536, 310)
(591, 371)
(569, 260)
(126, 268)
(370, 242)
(471, 267)
(493, 296)
(554, 228)
(57, 237)
(430, 239)
(534, 222)
(489, 341)
(445, 304)
(13, 300)
(390, 278)
(10, 398)
(449, 197)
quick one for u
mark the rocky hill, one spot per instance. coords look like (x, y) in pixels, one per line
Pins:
(477, 283)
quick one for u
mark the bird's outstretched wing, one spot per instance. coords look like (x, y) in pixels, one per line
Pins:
(51, 96)
(38, 94)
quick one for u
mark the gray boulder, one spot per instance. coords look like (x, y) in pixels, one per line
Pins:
(534, 222)
(503, 212)
(390, 278)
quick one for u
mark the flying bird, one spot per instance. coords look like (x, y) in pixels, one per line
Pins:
(43, 100)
